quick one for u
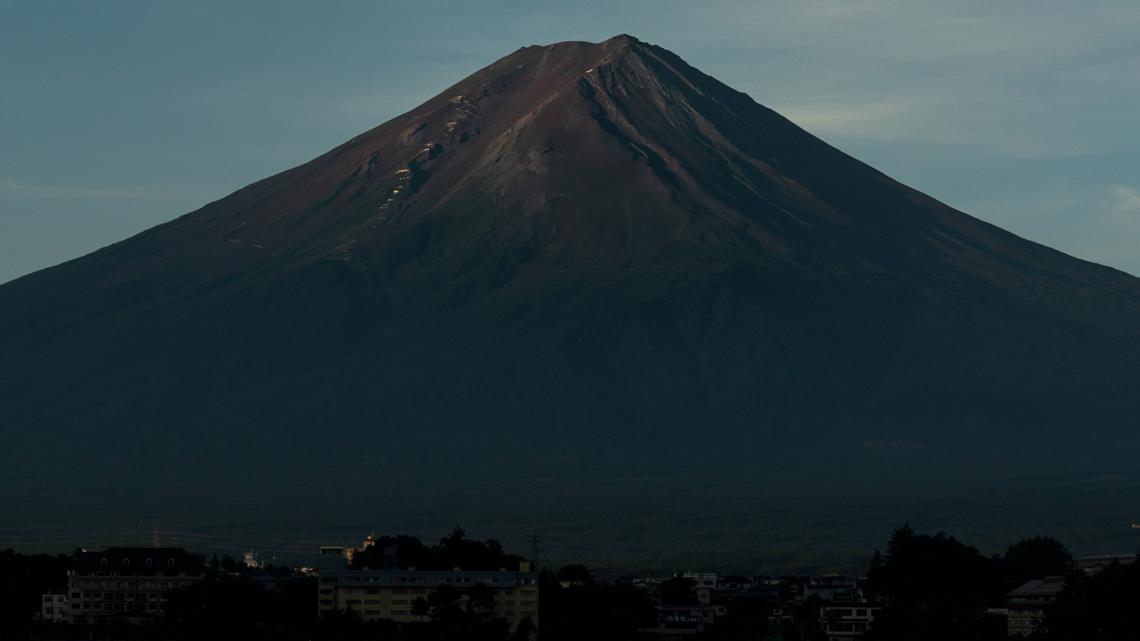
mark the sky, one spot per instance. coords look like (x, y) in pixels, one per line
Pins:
(117, 116)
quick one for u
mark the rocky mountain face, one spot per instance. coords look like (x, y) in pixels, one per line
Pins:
(582, 259)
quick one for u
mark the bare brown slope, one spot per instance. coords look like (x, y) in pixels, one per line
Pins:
(582, 251)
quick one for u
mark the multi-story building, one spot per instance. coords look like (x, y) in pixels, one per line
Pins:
(128, 584)
(390, 593)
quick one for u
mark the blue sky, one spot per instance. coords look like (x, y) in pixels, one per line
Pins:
(116, 116)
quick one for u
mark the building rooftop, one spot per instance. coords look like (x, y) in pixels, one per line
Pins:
(139, 561)
(1048, 587)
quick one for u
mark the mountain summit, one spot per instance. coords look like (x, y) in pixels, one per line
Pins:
(581, 256)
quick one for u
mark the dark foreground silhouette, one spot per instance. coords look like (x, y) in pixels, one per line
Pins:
(930, 588)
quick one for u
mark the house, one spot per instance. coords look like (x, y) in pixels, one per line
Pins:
(832, 588)
(848, 621)
(676, 622)
(1027, 604)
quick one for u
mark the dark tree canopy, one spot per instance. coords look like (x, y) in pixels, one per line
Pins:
(679, 590)
(933, 571)
(1035, 558)
(226, 605)
(1103, 607)
(23, 579)
(574, 572)
(452, 551)
(593, 610)
(936, 589)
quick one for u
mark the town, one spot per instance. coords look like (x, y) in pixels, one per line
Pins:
(921, 586)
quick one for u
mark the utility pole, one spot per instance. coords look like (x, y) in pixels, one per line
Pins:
(157, 540)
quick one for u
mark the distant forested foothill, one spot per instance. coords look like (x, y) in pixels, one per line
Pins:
(932, 587)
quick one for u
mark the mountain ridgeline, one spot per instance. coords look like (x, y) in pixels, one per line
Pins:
(583, 258)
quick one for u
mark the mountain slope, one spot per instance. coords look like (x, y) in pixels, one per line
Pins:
(583, 255)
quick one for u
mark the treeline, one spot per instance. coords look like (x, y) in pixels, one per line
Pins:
(453, 551)
(936, 588)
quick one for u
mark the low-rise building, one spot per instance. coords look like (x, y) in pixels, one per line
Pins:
(1091, 565)
(54, 608)
(846, 622)
(832, 588)
(128, 584)
(702, 579)
(676, 622)
(781, 615)
(1027, 604)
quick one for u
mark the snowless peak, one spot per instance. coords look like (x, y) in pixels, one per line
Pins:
(622, 39)
(545, 263)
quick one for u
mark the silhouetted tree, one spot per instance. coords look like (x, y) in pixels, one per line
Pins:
(936, 588)
(441, 604)
(453, 550)
(593, 610)
(221, 604)
(1103, 607)
(481, 600)
(23, 580)
(410, 553)
(224, 605)
(449, 618)
(1035, 558)
(679, 590)
(574, 573)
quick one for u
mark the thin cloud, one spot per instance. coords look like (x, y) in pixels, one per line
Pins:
(849, 120)
(1125, 200)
